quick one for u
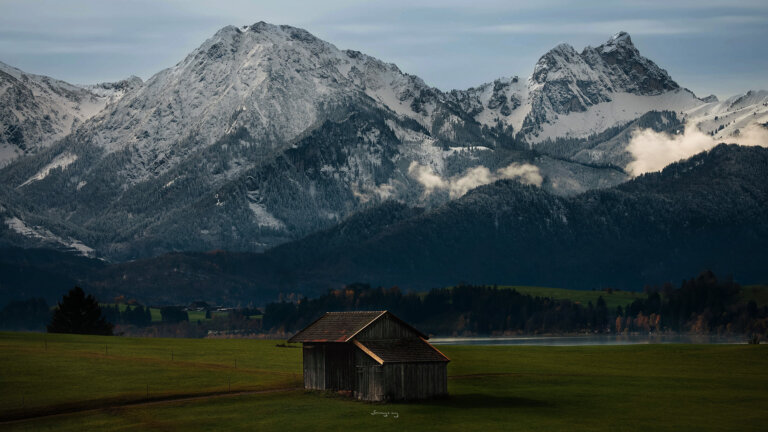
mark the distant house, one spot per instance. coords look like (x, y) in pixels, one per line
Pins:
(198, 306)
(375, 356)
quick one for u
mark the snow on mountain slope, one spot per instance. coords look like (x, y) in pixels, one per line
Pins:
(114, 91)
(729, 118)
(740, 119)
(573, 94)
(266, 133)
(274, 82)
(47, 237)
(61, 161)
(622, 108)
(37, 110)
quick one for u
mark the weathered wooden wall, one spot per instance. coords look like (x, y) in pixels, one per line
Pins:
(369, 378)
(329, 366)
(339, 366)
(399, 381)
(386, 328)
(314, 366)
(418, 380)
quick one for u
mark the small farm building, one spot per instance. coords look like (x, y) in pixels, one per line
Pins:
(375, 356)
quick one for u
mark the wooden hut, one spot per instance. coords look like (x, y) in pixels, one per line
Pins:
(374, 355)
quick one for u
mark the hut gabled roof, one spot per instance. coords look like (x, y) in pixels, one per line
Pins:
(343, 326)
(401, 351)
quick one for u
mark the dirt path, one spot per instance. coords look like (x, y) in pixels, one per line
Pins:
(105, 405)
(59, 411)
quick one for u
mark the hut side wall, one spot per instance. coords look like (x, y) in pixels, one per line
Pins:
(407, 381)
(398, 381)
(369, 378)
(329, 366)
(386, 328)
(314, 366)
(339, 366)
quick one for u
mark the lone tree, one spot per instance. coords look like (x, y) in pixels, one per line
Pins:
(79, 314)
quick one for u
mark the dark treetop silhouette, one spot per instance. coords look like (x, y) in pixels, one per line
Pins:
(80, 314)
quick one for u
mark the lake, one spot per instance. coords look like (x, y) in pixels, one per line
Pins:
(591, 340)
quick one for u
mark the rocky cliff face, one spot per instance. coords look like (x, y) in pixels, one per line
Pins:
(266, 133)
(35, 111)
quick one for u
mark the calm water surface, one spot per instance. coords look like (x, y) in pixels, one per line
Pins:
(591, 340)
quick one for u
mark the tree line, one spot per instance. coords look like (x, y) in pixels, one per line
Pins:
(703, 304)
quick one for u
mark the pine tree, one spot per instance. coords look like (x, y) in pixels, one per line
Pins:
(79, 314)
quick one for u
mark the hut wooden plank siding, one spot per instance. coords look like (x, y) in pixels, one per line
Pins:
(374, 355)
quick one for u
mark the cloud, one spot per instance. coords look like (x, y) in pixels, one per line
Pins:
(526, 173)
(652, 150)
(427, 177)
(635, 27)
(457, 186)
(382, 192)
(656, 26)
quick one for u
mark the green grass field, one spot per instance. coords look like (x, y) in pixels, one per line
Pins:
(758, 293)
(613, 299)
(612, 388)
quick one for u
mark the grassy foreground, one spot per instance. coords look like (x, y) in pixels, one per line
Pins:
(613, 388)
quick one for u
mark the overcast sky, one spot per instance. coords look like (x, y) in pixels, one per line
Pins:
(708, 46)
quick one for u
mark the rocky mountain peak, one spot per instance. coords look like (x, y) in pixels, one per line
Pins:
(628, 69)
(265, 133)
(618, 48)
(565, 81)
(131, 83)
(620, 40)
(558, 58)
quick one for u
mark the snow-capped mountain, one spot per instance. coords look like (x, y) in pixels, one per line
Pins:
(37, 110)
(726, 119)
(585, 106)
(266, 133)
(573, 94)
(114, 91)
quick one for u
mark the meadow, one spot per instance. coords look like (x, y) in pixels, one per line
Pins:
(612, 298)
(114, 383)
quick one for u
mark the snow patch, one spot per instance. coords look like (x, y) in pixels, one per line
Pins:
(265, 218)
(39, 233)
(624, 108)
(8, 153)
(61, 161)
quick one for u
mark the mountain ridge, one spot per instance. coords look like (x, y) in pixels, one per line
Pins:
(707, 212)
(265, 134)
